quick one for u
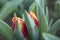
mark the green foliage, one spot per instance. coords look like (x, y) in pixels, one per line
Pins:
(57, 6)
(50, 37)
(2, 2)
(42, 19)
(33, 7)
(46, 30)
(47, 14)
(8, 8)
(50, 23)
(6, 31)
(54, 28)
(32, 29)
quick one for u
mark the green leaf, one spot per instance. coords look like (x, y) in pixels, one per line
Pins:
(8, 8)
(2, 2)
(33, 7)
(54, 27)
(58, 0)
(50, 24)
(18, 32)
(47, 14)
(47, 36)
(31, 27)
(42, 19)
(45, 2)
(40, 3)
(57, 6)
(6, 31)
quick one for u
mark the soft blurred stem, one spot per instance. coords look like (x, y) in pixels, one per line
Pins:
(51, 21)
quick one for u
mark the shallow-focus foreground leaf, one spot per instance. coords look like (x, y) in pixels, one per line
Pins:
(57, 6)
(6, 31)
(55, 27)
(32, 29)
(8, 8)
(47, 36)
(18, 33)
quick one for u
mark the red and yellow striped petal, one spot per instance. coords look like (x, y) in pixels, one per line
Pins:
(21, 24)
(34, 17)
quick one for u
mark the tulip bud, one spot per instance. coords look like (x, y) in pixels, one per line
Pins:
(21, 24)
(34, 17)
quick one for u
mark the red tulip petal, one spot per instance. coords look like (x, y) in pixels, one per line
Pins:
(23, 28)
(13, 25)
(21, 24)
(34, 17)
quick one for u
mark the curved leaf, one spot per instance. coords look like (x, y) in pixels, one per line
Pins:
(57, 6)
(55, 27)
(42, 19)
(50, 37)
(6, 31)
(8, 8)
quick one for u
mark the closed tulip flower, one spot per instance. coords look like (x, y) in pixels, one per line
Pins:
(21, 24)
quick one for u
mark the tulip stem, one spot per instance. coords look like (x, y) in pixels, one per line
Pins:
(15, 14)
